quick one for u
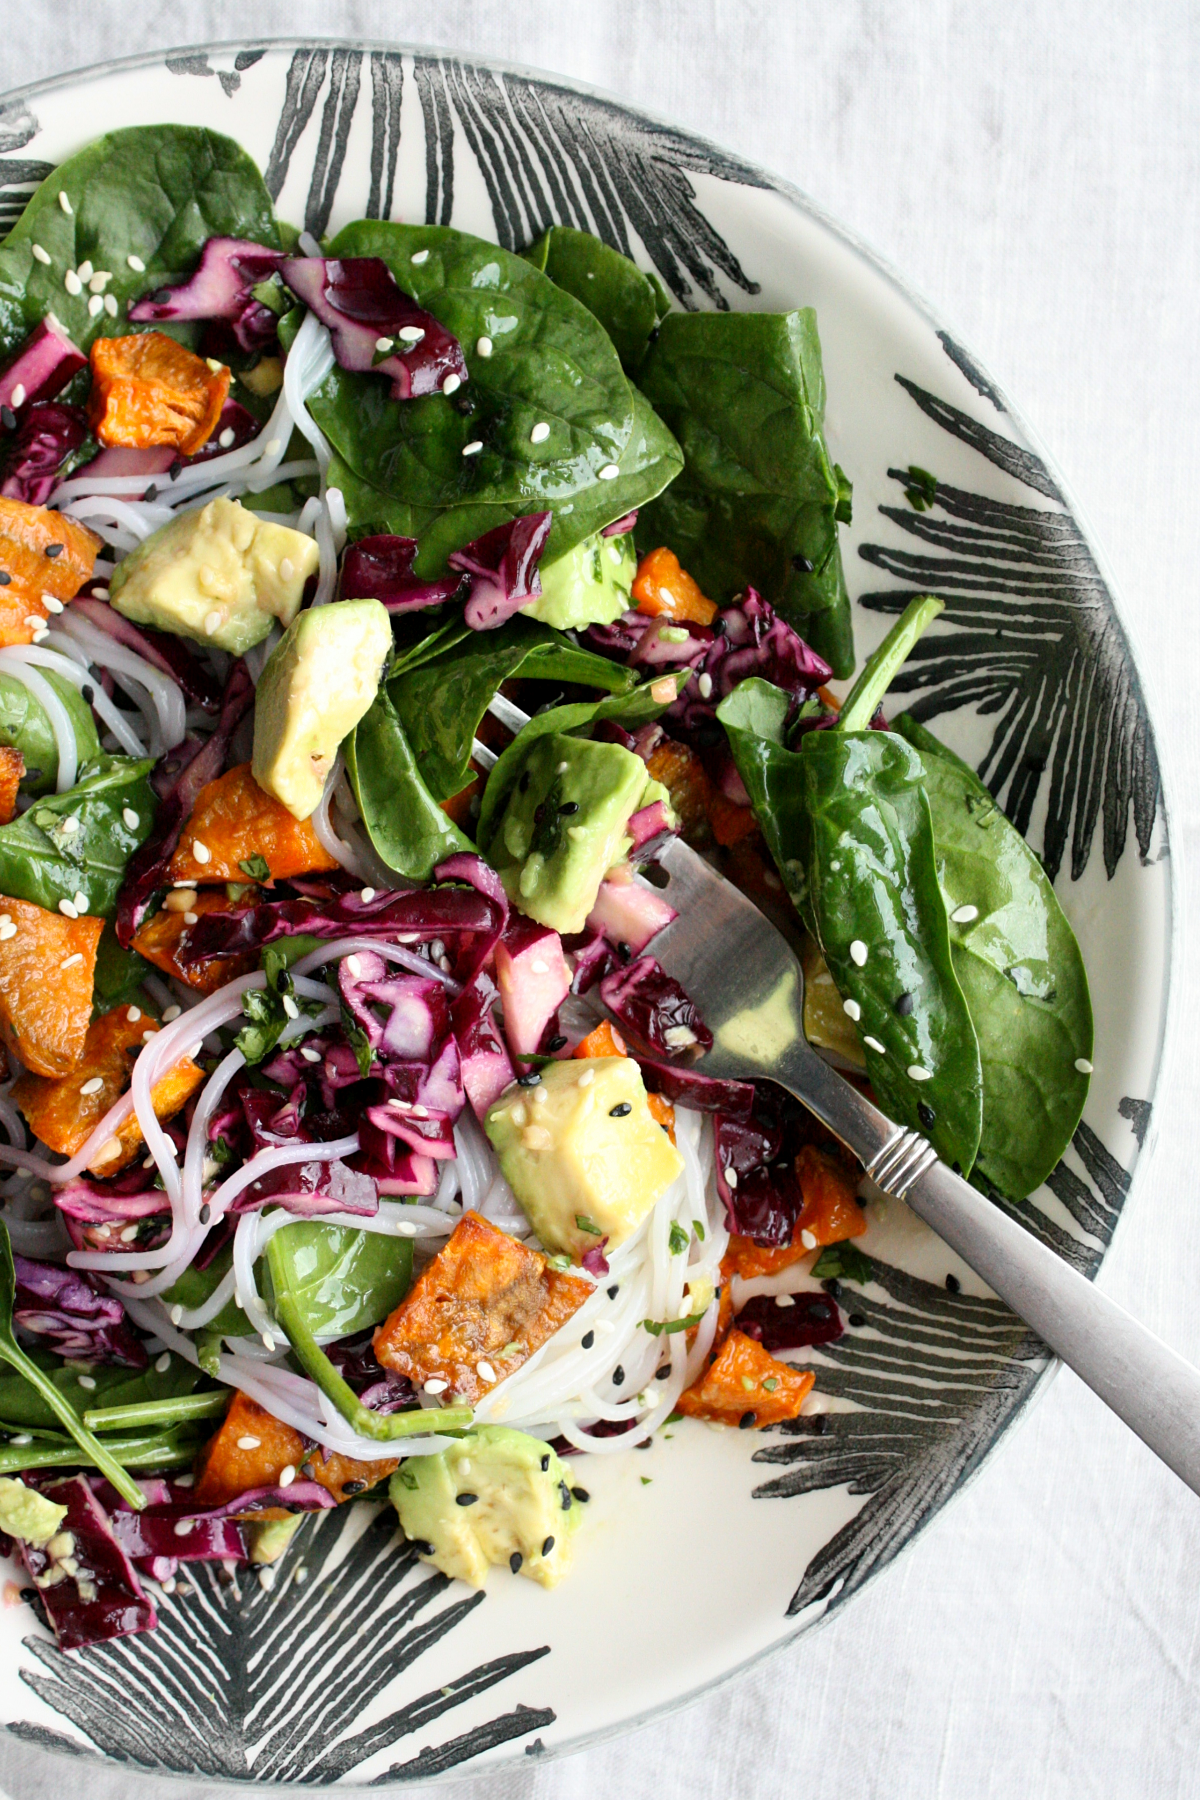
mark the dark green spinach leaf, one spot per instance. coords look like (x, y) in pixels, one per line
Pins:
(25, 726)
(405, 824)
(149, 1450)
(45, 858)
(343, 1279)
(1020, 968)
(119, 974)
(24, 1407)
(195, 1286)
(611, 287)
(843, 1261)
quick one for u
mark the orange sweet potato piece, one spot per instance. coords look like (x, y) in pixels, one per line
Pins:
(158, 940)
(683, 775)
(484, 1297)
(234, 819)
(224, 1469)
(605, 1040)
(12, 769)
(829, 1215)
(47, 967)
(147, 389)
(41, 552)
(746, 1379)
(664, 1112)
(63, 1116)
(662, 589)
(730, 822)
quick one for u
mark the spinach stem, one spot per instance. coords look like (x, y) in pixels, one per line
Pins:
(882, 666)
(158, 1412)
(157, 1450)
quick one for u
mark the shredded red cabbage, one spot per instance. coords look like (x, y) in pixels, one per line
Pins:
(381, 1389)
(629, 914)
(654, 1008)
(79, 1320)
(486, 1066)
(362, 305)
(219, 288)
(620, 526)
(46, 435)
(447, 913)
(103, 1598)
(380, 568)
(503, 567)
(687, 1087)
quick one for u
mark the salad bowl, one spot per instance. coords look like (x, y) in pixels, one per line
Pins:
(372, 1670)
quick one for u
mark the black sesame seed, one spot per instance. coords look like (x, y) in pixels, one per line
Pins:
(29, 1595)
(176, 469)
(515, 1561)
(587, 1340)
(953, 1284)
(565, 1491)
(582, 1495)
(618, 1376)
(8, 418)
(719, 627)
(530, 1079)
(802, 565)
(621, 1110)
(645, 1444)
(568, 807)
(205, 1213)
(556, 1043)
(903, 1005)
(624, 953)
(926, 1115)
(4, 579)
(614, 1290)
(421, 1547)
(663, 1374)
(746, 1421)
(857, 1319)
(53, 550)
(88, 692)
(463, 403)
(820, 1424)
(545, 1462)
(547, 1546)
(151, 492)
(459, 1499)
(356, 1487)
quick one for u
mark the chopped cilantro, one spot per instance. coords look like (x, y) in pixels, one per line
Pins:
(590, 1226)
(256, 867)
(677, 1239)
(843, 1261)
(665, 1327)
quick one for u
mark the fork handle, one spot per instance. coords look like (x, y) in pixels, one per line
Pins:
(1143, 1380)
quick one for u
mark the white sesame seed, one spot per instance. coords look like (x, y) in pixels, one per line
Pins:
(133, 1014)
(51, 603)
(539, 967)
(88, 1382)
(409, 334)
(164, 1361)
(39, 637)
(272, 447)
(130, 1232)
(43, 256)
(212, 623)
(917, 1073)
(99, 280)
(1083, 1065)
(248, 1443)
(67, 907)
(310, 1055)
(705, 686)
(436, 1385)
(64, 202)
(93, 1086)
(540, 432)
(384, 344)
(473, 448)
(191, 918)
(287, 1475)
(678, 1037)
(731, 1176)
(81, 902)
(963, 915)
(367, 895)
(180, 900)
(587, 1078)
(184, 1527)
(451, 384)
(148, 1037)
(35, 622)
(852, 1010)
(290, 1007)
(136, 264)
(18, 395)
(406, 1230)
(98, 593)
(858, 952)
(110, 305)
(195, 1050)
(226, 438)
(485, 1371)
(483, 346)
(7, 931)
(131, 819)
(176, 1315)
(300, 1575)
(609, 472)
(286, 568)
(268, 1341)
(70, 825)
(808, 1240)
(85, 270)
(420, 256)
(200, 851)
(785, 1300)
(95, 306)
(266, 1579)
(172, 1012)
(873, 1043)
(353, 967)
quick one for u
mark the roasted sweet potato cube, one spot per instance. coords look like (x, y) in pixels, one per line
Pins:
(64, 1113)
(604, 1040)
(829, 1215)
(41, 552)
(158, 940)
(252, 1448)
(730, 822)
(47, 966)
(12, 770)
(746, 1380)
(662, 588)
(236, 821)
(485, 1299)
(148, 390)
(682, 774)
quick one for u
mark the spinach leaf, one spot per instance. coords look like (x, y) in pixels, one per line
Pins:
(25, 726)
(24, 1406)
(45, 859)
(119, 973)
(634, 709)
(404, 822)
(343, 1279)
(843, 1261)
(195, 1286)
(151, 1450)
(759, 498)
(440, 704)
(753, 716)
(56, 1402)
(154, 193)
(551, 362)
(1020, 968)
(611, 287)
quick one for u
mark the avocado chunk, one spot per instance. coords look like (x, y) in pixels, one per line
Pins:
(563, 826)
(587, 1161)
(220, 575)
(319, 680)
(498, 1496)
(590, 585)
(269, 1538)
(26, 1514)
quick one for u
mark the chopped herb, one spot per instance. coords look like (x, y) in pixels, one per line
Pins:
(562, 1263)
(843, 1260)
(588, 1225)
(645, 1480)
(698, 1228)
(256, 867)
(771, 1383)
(921, 492)
(407, 1478)
(659, 1327)
(677, 1239)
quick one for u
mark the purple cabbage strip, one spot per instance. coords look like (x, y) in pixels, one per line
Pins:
(80, 1322)
(620, 526)
(686, 1087)
(146, 870)
(594, 1260)
(40, 367)
(416, 1007)
(219, 288)
(46, 434)
(104, 1598)
(307, 1189)
(765, 1202)
(811, 1319)
(503, 566)
(235, 418)
(379, 1388)
(483, 878)
(380, 568)
(391, 1165)
(754, 641)
(162, 649)
(440, 913)
(213, 1532)
(651, 830)
(360, 302)
(486, 1066)
(591, 956)
(655, 1008)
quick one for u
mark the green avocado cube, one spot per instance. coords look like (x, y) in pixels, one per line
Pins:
(564, 826)
(590, 585)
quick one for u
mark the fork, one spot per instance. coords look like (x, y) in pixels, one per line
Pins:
(749, 989)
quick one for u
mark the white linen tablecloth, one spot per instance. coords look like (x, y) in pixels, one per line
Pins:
(1034, 171)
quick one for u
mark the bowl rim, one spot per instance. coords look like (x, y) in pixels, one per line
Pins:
(1168, 1000)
